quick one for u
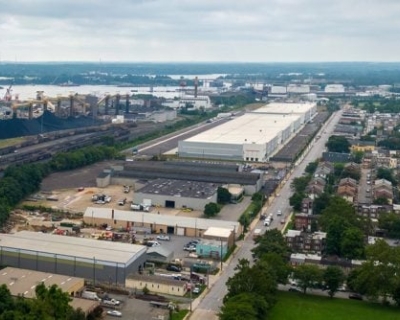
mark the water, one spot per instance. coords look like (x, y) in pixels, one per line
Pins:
(28, 92)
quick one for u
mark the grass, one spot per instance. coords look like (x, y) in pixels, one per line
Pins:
(11, 142)
(296, 306)
(179, 315)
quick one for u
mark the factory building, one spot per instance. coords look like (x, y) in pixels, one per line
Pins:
(170, 193)
(157, 223)
(197, 102)
(95, 260)
(227, 174)
(254, 137)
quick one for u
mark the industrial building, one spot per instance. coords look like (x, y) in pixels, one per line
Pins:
(254, 137)
(304, 110)
(177, 193)
(23, 282)
(95, 260)
(139, 173)
(157, 223)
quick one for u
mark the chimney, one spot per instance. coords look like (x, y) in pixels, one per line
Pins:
(112, 214)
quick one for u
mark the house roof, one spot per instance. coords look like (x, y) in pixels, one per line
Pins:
(217, 232)
(348, 181)
(160, 250)
(347, 190)
(157, 279)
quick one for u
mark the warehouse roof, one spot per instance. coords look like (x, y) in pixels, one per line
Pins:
(71, 246)
(181, 188)
(168, 220)
(218, 232)
(249, 128)
(285, 108)
(23, 282)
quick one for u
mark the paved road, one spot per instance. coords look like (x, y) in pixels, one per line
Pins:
(209, 306)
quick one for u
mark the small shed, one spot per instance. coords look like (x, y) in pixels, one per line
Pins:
(157, 284)
(212, 249)
(224, 234)
(159, 254)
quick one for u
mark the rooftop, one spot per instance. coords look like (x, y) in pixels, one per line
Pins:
(217, 232)
(150, 218)
(249, 128)
(285, 108)
(70, 246)
(23, 282)
(181, 188)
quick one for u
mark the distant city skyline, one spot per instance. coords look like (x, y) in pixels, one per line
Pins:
(200, 31)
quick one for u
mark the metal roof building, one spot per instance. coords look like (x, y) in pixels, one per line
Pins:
(304, 110)
(251, 137)
(179, 225)
(103, 261)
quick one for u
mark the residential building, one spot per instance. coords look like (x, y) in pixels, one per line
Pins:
(299, 241)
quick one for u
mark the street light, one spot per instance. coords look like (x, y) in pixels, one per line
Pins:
(221, 253)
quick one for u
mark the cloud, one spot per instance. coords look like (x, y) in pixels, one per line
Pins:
(203, 30)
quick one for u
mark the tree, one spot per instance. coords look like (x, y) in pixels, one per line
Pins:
(211, 209)
(240, 307)
(320, 203)
(333, 278)
(391, 223)
(352, 244)
(381, 201)
(296, 201)
(311, 167)
(357, 156)
(223, 195)
(308, 276)
(278, 264)
(272, 241)
(300, 184)
(338, 144)
(387, 174)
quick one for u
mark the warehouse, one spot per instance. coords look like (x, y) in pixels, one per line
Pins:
(170, 193)
(140, 172)
(304, 110)
(251, 137)
(98, 261)
(156, 223)
(23, 282)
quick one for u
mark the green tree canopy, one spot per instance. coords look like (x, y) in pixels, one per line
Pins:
(338, 144)
(308, 276)
(333, 278)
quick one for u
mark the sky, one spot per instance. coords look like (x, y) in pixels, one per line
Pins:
(200, 31)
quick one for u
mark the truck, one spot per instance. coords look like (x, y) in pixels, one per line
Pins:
(140, 207)
(110, 302)
(256, 233)
(90, 295)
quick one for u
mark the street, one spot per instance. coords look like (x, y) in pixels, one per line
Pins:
(209, 306)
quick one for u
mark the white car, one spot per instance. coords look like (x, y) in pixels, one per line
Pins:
(114, 313)
(267, 222)
(163, 237)
(279, 213)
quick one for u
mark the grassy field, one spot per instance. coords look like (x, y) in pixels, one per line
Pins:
(296, 306)
(11, 142)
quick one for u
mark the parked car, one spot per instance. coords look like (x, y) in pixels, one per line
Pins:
(355, 296)
(163, 237)
(294, 289)
(114, 313)
(267, 222)
(196, 290)
(279, 213)
(283, 221)
(152, 243)
(81, 188)
(111, 302)
(191, 248)
(175, 268)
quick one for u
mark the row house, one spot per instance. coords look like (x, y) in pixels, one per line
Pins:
(299, 241)
(316, 187)
(307, 205)
(347, 189)
(383, 188)
(323, 170)
(373, 211)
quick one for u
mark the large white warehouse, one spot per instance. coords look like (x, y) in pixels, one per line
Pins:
(305, 110)
(251, 137)
(255, 136)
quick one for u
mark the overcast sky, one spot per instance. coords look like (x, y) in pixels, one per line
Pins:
(201, 30)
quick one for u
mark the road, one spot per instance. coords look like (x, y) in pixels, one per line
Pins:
(209, 306)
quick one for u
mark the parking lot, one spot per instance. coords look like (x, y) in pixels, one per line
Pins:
(135, 309)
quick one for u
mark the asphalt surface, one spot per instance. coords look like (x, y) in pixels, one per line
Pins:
(209, 306)
(364, 189)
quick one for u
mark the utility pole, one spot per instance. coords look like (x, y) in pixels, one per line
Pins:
(221, 253)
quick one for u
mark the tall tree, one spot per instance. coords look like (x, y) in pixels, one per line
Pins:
(333, 278)
(338, 144)
(308, 276)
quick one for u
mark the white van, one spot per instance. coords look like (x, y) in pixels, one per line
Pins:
(90, 295)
